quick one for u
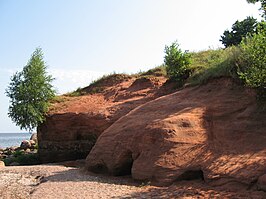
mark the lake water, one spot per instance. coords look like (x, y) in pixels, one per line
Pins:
(12, 139)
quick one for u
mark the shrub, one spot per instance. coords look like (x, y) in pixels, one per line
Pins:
(252, 61)
(23, 158)
(177, 63)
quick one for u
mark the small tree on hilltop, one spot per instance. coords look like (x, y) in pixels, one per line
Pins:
(177, 63)
(240, 29)
(29, 92)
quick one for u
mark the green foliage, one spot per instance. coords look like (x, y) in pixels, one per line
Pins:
(18, 153)
(29, 92)
(177, 63)
(240, 29)
(23, 158)
(99, 85)
(252, 62)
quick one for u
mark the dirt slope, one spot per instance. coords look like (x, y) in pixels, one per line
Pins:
(215, 132)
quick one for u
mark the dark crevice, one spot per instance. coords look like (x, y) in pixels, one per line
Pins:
(99, 168)
(191, 175)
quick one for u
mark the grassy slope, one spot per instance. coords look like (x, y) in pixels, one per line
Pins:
(205, 65)
(212, 64)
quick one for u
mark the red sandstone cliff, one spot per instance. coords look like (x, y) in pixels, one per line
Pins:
(73, 124)
(214, 132)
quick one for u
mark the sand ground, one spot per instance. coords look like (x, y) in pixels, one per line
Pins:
(59, 181)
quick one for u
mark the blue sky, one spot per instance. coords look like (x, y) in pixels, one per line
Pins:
(84, 39)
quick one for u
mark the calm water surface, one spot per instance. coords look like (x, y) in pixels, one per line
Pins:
(12, 139)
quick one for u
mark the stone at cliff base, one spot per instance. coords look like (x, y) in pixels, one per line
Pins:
(25, 144)
(262, 182)
(34, 137)
(2, 164)
(27, 150)
(32, 143)
(14, 164)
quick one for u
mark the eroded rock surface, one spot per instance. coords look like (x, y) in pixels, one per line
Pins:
(262, 182)
(214, 132)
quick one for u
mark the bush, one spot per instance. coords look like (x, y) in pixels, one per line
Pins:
(23, 158)
(252, 61)
(177, 63)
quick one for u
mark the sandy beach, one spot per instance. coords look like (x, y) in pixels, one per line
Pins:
(59, 181)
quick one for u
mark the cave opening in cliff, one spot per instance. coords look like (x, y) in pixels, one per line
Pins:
(125, 165)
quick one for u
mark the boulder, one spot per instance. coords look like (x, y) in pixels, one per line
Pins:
(32, 143)
(27, 151)
(209, 132)
(25, 144)
(14, 164)
(10, 150)
(34, 137)
(13, 148)
(262, 183)
(2, 164)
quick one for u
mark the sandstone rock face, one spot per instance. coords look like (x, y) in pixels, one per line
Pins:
(262, 182)
(211, 132)
(73, 125)
(69, 136)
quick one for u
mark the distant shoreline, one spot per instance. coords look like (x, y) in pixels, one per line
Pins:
(12, 139)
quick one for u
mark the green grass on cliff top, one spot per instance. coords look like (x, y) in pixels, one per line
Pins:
(205, 65)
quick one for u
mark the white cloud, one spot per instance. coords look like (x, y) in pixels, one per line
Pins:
(68, 80)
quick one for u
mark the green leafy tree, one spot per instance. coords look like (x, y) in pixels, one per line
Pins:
(252, 67)
(177, 62)
(240, 29)
(263, 6)
(29, 92)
